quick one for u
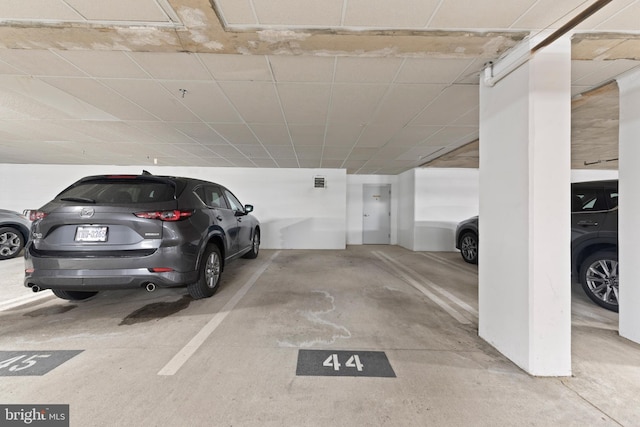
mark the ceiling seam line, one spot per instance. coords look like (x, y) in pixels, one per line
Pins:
(434, 13)
(284, 116)
(197, 55)
(392, 84)
(329, 107)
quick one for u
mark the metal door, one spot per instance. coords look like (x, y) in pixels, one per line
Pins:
(376, 221)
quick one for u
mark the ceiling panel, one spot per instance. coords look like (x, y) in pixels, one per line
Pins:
(257, 102)
(542, 11)
(271, 134)
(281, 151)
(627, 19)
(162, 132)
(38, 9)
(311, 69)
(403, 102)
(354, 103)
(200, 132)
(376, 136)
(451, 135)
(478, 14)
(205, 99)
(453, 102)
(305, 103)
(412, 135)
(307, 135)
(335, 152)
(298, 12)
(433, 70)
(237, 67)
(155, 12)
(39, 63)
(362, 84)
(237, 12)
(611, 10)
(153, 98)
(377, 13)
(171, 66)
(112, 105)
(235, 133)
(366, 70)
(112, 64)
(119, 10)
(344, 134)
(421, 14)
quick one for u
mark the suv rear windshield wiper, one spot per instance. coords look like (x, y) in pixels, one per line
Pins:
(78, 199)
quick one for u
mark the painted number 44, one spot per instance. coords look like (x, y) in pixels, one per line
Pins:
(353, 362)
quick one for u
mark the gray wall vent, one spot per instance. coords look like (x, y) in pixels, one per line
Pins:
(319, 182)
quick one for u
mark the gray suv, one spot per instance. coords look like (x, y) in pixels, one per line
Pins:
(594, 240)
(137, 231)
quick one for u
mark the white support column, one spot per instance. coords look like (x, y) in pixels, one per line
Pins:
(629, 205)
(524, 236)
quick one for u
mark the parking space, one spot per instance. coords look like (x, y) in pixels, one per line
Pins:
(162, 358)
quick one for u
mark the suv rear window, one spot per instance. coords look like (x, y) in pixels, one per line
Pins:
(119, 191)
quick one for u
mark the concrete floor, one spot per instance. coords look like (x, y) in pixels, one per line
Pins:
(163, 359)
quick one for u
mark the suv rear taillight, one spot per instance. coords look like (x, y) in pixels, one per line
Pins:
(35, 215)
(175, 215)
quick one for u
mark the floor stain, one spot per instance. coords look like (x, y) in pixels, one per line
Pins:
(157, 310)
(48, 311)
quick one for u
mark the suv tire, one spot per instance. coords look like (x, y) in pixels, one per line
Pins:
(599, 278)
(255, 246)
(469, 247)
(209, 275)
(11, 242)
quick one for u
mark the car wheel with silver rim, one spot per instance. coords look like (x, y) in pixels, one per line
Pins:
(11, 242)
(209, 275)
(599, 279)
(469, 247)
(255, 246)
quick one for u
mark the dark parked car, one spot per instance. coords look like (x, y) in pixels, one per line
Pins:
(138, 231)
(594, 240)
(14, 233)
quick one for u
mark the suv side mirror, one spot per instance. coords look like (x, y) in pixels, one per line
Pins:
(248, 208)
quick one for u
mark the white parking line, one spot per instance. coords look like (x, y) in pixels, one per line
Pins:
(192, 346)
(397, 267)
(23, 300)
(449, 263)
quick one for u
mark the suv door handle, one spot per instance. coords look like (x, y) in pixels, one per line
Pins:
(587, 223)
(219, 218)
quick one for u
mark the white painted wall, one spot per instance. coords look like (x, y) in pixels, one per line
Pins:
(293, 214)
(426, 204)
(629, 207)
(355, 200)
(406, 209)
(443, 198)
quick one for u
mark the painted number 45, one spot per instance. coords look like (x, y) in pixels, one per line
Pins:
(353, 362)
(15, 364)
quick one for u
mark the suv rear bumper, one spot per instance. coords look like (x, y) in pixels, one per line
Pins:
(103, 273)
(100, 280)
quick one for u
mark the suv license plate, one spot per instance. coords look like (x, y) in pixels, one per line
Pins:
(91, 234)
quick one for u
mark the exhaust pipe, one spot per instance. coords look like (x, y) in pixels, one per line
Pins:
(35, 288)
(150, 287)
